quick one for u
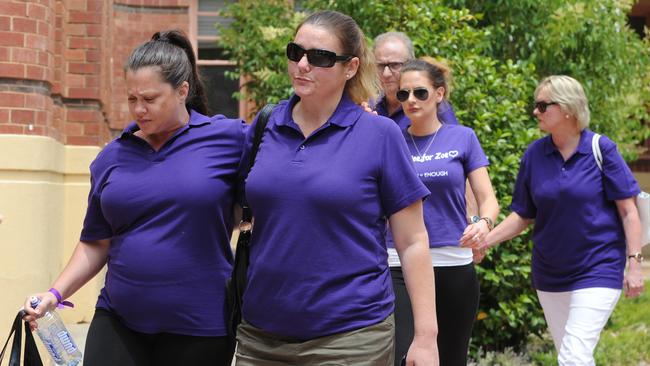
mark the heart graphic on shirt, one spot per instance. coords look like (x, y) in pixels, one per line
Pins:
(453, 153)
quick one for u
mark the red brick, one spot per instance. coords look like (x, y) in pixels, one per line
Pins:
(34, 130)
(9, 99)
(41, 118)
(4, 115)
(73, 129)
(74, 54)
(15, 9)
(95, 5)
(81, 115)
(5, 23)
(83, 68)
(94, 30)
(43, 58)
(83, 93)
(35, 101)
(82, 140)
(91, 81)
(86, 43)
(35, 72)
(4, 54)
(11, 39)
(36, 41)
(93, 56)
(11, 129)
(15, 71)
(43, 28)
(92, 129)
(74, 80)
(24, 55)
(37, 11)
(77, 5)
(24, 25)
(75, 30)
(22, 116)
(86, 17)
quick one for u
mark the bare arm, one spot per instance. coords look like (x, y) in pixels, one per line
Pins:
(86, 261)
(488, 206)
(512, 226)
(412, 244)
(629, 214)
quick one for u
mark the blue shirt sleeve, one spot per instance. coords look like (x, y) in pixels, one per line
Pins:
(475, 155)
(95, 226)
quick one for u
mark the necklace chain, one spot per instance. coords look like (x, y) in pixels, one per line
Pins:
(421, 155)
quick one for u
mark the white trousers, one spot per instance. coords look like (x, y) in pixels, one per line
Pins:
(575, 319)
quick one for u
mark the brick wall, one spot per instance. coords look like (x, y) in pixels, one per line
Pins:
(61, 63)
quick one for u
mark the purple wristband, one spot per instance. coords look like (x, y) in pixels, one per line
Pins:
(59, 299)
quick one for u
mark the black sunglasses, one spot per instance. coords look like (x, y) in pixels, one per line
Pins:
(315, 57)
(541, 105)
(419, 93)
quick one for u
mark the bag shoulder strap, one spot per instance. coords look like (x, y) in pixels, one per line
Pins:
(32, 358)
(262, 121)
(595, 147)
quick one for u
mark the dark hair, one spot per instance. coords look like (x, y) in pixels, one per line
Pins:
(437, 73)
(364, 85)
(171, 51)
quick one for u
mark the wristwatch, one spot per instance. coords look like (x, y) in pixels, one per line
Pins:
(637, 256)
(487, 220)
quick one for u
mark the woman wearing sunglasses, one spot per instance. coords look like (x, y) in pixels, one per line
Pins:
(583, 219)
(325, 181)
(445, 157)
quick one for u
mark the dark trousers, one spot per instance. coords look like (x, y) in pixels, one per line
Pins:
(457, 296)
(110, 343)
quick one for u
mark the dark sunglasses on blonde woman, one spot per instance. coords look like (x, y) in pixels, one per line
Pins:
(315, 57)
(419, 93)
(541, 105)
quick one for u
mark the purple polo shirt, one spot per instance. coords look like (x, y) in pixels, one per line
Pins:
(443, 168)
(318, 256)
(578, 236)
(445, 113)
(169, 217)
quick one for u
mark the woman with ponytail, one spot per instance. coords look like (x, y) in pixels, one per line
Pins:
(160, 217)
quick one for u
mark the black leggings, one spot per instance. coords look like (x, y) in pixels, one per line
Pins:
(110, 343)
(457, 296)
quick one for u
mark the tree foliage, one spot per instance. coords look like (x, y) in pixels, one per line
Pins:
(498, 51)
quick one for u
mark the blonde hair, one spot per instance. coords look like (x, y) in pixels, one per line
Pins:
(569, 94)
(364, 85)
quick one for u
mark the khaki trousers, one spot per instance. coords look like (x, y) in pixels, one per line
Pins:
(369, 346)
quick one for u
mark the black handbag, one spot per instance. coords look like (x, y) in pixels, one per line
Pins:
(237, 282)
(32, 358)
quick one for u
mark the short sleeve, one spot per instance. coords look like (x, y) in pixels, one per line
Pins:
(95, 226)
(618, 181)
(249, 133)
(399, 185)
(475, 155)
(522, 201)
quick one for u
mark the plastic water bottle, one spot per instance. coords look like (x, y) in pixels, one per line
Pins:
(56, 338)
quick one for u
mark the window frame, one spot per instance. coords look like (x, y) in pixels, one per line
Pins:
(194, 14)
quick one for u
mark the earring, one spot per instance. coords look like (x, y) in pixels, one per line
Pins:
(566, 116)
(347, 76)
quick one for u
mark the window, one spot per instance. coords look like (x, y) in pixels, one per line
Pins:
(212, 64)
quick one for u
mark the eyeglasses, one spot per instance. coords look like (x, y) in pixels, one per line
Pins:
(542, 105)
(315, 57)
(393, 66)
(419, 93)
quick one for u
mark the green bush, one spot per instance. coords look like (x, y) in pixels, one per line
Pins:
(492, 93)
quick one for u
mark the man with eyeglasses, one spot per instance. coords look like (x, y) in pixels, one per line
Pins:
(392, 50)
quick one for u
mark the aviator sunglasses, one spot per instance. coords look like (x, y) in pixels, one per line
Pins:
(541, 105)
(419, 93)
(315, 57)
